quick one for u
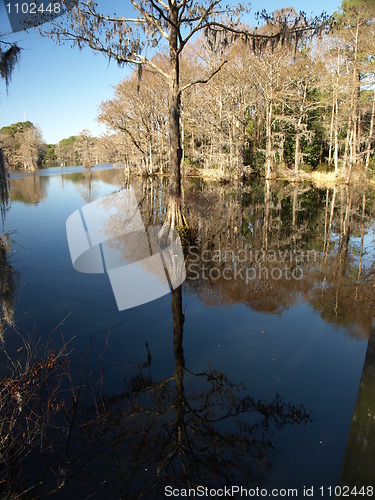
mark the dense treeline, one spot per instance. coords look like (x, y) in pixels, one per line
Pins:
(270, 111)
(267, 111)
(24, 147)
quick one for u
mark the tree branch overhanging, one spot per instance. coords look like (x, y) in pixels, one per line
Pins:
(203, 80)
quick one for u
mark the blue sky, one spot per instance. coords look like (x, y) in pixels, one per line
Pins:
(60, 88)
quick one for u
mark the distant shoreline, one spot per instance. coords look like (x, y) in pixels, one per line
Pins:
(317, 178)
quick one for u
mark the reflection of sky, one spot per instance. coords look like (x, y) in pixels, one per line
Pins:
(368, 257)
(122, 207)
(40, 228)
(48, 172)
(108, 235)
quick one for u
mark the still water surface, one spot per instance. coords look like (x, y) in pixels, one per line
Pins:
(248, 374)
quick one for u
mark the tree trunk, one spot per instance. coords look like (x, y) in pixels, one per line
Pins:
(174, 217)
(336, 153)
(297, 153)
(332, 128)
(150, 165)
(297, 159)
(356, 95)
(351, 145)
(175, 149)
(182, 140)
(371, 134)
(351, 157)
(269, 141)
(221, 141)
(347, 141)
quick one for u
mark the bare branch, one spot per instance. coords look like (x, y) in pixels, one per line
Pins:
(203, 80)
(151, 19)
(200, 24)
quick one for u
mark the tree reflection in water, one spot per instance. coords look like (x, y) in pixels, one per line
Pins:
(324, 233)
(4, 187)
(216, 433)
(8, 278)
(188, 429)
(31, 189)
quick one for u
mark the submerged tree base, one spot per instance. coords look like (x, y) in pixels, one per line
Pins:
(175, 218)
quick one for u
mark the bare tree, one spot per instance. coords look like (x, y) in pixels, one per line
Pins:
(139, 111)
(303, 100)
(85, 144)
(126, 39)
(22, 145)
(31, 150)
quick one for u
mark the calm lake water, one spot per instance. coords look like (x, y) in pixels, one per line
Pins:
(248, 374)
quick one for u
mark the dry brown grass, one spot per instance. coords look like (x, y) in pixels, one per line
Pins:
(326, 179)
(358, 177)
(208, 174)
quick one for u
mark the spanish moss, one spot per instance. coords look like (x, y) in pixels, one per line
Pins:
(8, 61)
